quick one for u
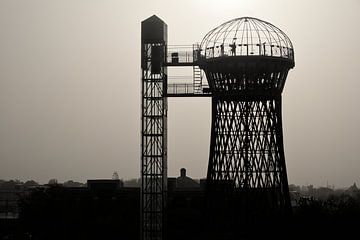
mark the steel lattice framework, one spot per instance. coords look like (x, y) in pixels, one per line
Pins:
(246, 62)
(247, 143)
(246, 181)
(244, 37)
(154, 129)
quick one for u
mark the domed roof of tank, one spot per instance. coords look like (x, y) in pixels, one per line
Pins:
(247, 36)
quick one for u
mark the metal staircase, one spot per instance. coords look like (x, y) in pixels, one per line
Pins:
(186, 56)
(197, 79)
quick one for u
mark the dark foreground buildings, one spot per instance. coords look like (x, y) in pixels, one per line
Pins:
(105, 209)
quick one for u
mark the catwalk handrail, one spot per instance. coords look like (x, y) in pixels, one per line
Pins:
(184, 88)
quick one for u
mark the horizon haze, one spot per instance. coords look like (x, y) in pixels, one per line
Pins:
(70, 83)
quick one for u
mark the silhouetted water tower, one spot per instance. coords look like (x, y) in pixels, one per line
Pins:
(246, 61)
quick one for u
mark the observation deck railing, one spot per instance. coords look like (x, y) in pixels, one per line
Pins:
(247, 50)
(191, 54)
(179, 55)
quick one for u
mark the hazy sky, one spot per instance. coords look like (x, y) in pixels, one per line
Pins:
(70, 87)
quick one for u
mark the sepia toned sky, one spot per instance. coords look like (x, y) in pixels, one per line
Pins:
(70, 87)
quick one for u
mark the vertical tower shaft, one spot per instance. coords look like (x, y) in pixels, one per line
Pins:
(153, 129)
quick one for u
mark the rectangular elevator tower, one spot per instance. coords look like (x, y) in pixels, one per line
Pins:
(153, 128)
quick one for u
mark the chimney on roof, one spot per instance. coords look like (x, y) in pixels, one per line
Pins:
(182, 172)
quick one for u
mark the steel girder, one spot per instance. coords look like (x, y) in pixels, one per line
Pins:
(154, 144)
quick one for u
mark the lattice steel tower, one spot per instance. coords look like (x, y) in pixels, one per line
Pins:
(153, 128)
(156, 56)
(246, 61)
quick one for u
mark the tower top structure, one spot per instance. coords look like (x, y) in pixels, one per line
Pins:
(153, 30)
(248, 56)
(247, 36)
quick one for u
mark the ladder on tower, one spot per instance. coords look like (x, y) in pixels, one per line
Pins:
(186, 56)
(197, 79)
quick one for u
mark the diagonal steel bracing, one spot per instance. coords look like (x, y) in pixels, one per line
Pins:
(247, 178)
